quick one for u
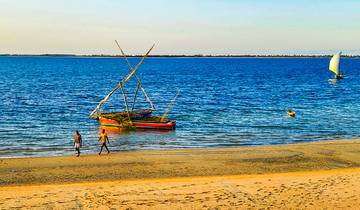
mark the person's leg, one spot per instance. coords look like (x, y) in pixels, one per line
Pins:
(101, 148)
(78, 150)
(107, 148)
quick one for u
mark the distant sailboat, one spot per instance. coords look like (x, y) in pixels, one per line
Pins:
(334, 66)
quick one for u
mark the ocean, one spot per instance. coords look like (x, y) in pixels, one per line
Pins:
(223, 102)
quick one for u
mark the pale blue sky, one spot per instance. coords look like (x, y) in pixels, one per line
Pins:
(180, 27)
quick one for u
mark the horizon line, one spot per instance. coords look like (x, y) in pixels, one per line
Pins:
(177, 55)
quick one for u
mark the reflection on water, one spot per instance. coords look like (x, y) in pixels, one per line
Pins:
(333, 81)
(113, 130)
(223, 102)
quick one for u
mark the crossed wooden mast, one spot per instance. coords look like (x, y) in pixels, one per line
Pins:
(132, 72)
(93, 114)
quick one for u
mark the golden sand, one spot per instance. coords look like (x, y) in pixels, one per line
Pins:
(332, 189)
(300, 176)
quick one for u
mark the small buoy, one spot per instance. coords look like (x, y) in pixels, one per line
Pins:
(291, 113)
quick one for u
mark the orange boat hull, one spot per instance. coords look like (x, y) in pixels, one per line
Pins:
(140, 124)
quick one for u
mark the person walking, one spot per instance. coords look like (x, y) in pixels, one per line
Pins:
(77, 142)
(103, 138)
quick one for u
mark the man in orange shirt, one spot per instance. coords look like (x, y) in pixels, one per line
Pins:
(103, 138)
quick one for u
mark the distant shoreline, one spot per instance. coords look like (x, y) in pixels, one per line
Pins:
(177, 56)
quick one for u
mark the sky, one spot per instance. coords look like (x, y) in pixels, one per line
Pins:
(180, 27)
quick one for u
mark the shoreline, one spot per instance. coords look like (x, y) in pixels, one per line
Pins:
(175, 149)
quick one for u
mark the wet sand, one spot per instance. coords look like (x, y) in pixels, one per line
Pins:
(312, 175)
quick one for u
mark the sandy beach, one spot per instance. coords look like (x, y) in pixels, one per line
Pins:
(303, 176)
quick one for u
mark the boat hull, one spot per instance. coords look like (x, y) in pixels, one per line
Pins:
(339, 76)
(170, 125)
(139, 124)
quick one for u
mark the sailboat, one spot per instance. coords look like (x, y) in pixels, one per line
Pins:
(133, 119)
(334, 66)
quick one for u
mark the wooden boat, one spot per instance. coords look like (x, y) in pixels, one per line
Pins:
(131, 119)
(139, 124)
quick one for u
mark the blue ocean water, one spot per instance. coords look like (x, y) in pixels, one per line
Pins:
(223, 102)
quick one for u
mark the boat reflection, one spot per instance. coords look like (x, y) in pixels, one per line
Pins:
(113, 130)
(333, 81)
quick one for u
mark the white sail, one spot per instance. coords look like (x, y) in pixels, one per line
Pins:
(334, 63)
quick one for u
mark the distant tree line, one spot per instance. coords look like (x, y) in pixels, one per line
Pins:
(189, 56)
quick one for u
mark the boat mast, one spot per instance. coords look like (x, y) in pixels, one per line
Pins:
(120, 84)
(126, 103)
(138, 80)
(169, 107)
(136, 91)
